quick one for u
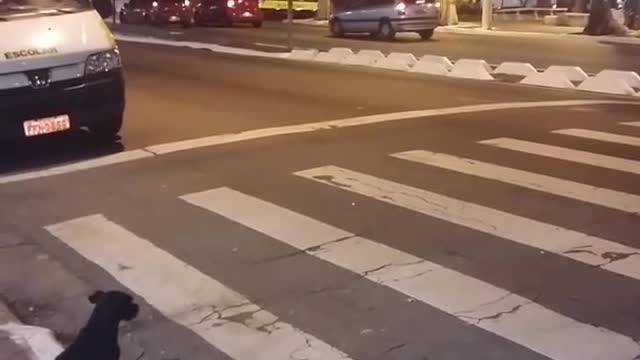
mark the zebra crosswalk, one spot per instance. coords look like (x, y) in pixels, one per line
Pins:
(233, 323)
(565, 154)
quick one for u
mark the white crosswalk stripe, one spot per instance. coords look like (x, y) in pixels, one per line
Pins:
(211, 309)
(561, 153)
(591, 194)
(571, 244)
(189, 297)
(632, 123)
(469, 299)
(601, 136)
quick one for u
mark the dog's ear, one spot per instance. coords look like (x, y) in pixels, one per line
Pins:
(95, 297)
(131, 312)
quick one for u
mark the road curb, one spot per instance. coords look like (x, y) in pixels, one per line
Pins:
(25, 341)
(625, 40)
(6, 315)
(628, 40)
(476, 69)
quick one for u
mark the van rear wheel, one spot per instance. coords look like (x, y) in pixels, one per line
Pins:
(426, 34)
(385, 31)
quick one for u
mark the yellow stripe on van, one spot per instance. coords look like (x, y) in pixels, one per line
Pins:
(283, 4)
(107, 32)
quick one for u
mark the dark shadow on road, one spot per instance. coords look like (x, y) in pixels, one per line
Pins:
(30, 154)
(372, 38)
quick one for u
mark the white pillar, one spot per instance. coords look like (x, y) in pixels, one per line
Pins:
(487, 14)
(323, 10)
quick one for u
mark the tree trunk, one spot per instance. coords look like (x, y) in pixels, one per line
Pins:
(579, 6)
(599, 18)
(632, 12)
(448, 12)
(601, 22)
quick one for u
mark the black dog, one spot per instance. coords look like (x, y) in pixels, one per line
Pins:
(98, 340)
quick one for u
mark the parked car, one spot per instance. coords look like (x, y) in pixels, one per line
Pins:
(135, 12)
(172, 12)
(385, 18)
(229, 12)
(53, 80)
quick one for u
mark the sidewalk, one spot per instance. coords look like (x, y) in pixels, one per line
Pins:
(515, 28)
(23, 342)
(6, 316)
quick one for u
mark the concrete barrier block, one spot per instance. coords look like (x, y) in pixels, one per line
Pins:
(573, 73)
(303, 54)
(431, 68)
(342, 51)
(630, 78)
(371, 53)
(364, 57)
(549, 80)
(437, 59)
(407, 58)
(606, 85)
(471, 69)
(515, 68)
(474, 62)
(392, 64)
(328, 57)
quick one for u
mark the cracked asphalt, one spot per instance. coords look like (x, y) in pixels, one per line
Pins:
(347, 267)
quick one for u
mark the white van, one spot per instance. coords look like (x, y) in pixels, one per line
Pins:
(385, 18)
(59, 69)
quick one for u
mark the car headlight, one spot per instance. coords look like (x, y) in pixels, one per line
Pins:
(103, 62)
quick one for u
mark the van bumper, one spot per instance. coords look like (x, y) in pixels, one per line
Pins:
(414, 24)
(87, 101)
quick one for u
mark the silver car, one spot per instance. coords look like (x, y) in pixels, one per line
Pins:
(385, 18)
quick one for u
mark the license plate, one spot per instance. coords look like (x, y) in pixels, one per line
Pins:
(47, 125)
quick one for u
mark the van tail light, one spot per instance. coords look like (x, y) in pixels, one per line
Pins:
(400, 8)
(231, 3)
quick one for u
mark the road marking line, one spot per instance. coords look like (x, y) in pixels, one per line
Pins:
(557, 152)
(574, 245)
(357, 121)
(198, 46)
(469, 299)
(574, 190)
(248, 135)
(221, 316)
(271, 45)
(632, 123)
(599, 135)
(122, 157)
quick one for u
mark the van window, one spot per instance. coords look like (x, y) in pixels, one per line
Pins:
(40, 7)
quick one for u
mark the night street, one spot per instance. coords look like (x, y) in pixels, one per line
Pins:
(589, 53)
(260, 208)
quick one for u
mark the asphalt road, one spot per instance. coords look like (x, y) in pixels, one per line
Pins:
(314, 242)
(588, 53)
